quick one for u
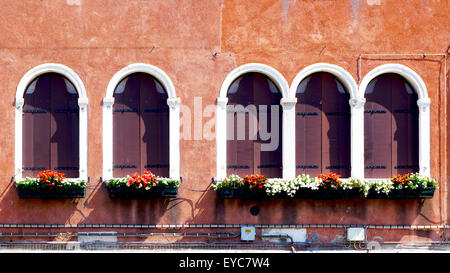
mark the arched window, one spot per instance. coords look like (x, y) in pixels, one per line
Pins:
(253, 85)
(141, 123)
(391, 127)
(254, 127)
(322, 126)
(50, 126)
(51, 122)
(141, 126)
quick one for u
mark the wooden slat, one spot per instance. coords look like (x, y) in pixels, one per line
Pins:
(266, 162)
(308, 127)
(335, 127)
(240, 152)
(64, 128)
(126, 144)
(36, 128)
(378, 131)
(246, 156)
(154, 127)
(405, 121)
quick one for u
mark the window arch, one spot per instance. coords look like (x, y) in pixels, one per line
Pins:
(287, 115)
(254, 127)
(141, 127)
(140, 96)
(391, 127)
(51, 122)
(409, 119)
(322, 126)
(343, 105)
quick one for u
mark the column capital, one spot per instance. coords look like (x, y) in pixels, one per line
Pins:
(222, 102)
(82, 103)
(173, 102)
(423, 103)
(19, 103)
(108, 101)
(288, 102)
(357, 102)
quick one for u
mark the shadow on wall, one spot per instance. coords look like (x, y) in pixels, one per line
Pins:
(212, 210)
(102, 209)
(17, 210)
(196, 206)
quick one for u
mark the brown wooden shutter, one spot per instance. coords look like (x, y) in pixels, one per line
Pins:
(308, 126)
(335, 127)
(64, 127)
(141, 127)
(36, 127)
(154, 127)
(405, 127)
(391, 128)
(50, 127)
(268, 163)
(377, 130)
(240, 152)
(322, 126)
(126, 138)
(245, 156)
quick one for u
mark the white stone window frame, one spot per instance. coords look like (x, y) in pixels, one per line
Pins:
(288, 117)
(174, 117)
(25, 81)
(356, 106)
(423, 102)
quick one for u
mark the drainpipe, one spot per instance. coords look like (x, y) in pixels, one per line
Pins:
(281, 236)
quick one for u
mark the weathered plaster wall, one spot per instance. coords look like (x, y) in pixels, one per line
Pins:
(197, 43)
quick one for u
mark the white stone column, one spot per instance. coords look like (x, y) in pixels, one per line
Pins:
(18, 140)
(174, 135)
(108, 103)
(83, 141)
(221, 137)
(357, 137)
(424, 136)
(288, 138)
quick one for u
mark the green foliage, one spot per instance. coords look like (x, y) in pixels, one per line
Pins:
(121, 183)
(233, 181)
(275, 186)
(34, 184)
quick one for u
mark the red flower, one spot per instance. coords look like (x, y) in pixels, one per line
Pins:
(401, 179)
(254, 181)
(330, 180)
(50, 178)
(142, 181)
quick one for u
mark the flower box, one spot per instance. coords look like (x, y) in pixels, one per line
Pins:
(353, 194)
(240, 193)
(424, 193)
(51, 194)
(323, 194)
(427, 192)
(155, 192)
(142, 187)
(249, 187)
(339, 194)
(408, 186)
(51, 185)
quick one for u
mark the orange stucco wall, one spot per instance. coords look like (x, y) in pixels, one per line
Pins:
(197, 43)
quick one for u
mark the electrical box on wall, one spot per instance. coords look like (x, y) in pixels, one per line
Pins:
(97, 237)
(356, 234)
(248, 233)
